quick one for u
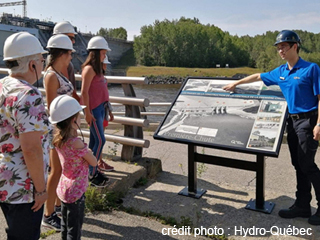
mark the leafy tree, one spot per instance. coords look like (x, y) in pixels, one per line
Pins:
(188, 43)
(119, 33)
(102, 32)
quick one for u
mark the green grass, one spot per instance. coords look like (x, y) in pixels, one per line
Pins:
(128, 62)
(139, 71)
(101, 199)
(141, 182)
(46, 234)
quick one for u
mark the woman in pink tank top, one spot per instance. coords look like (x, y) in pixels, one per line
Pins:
(95, 95)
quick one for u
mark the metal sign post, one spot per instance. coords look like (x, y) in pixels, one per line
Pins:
(249, 120)
(192, 190)
(259, 204)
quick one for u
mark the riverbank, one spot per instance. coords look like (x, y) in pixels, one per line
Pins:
(165, 79)
(179, 80)
(176, 74)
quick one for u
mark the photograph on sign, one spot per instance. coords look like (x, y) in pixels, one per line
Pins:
(229, 119)
(209, 86)
(266, 129)
(204, 113)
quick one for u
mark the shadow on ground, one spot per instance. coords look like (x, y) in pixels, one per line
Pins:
(220, 207)
(119, 232)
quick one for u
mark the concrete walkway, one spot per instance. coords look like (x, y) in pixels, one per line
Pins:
(220, 210)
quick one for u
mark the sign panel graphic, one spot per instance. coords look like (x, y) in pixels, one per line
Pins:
(249, 120)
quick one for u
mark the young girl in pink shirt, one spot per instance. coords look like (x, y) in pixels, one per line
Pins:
(75, 157)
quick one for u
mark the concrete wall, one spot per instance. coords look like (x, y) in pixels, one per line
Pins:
(43, 31)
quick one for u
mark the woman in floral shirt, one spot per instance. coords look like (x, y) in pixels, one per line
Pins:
(24, 128)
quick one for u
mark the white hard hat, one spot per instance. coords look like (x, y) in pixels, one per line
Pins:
(98, 42)
(106, 60)
(63, 27)
(21, 44)
(63, 107)
(60, 41)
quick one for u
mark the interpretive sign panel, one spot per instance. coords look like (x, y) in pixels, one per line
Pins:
(249, 120)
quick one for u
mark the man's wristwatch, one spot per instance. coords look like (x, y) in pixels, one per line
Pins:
(318, 124)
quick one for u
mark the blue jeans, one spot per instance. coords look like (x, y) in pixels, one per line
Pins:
(22, 222)
(97, 139)
(303, 149)
(72, 219)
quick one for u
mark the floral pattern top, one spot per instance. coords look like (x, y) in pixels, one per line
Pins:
(66, 86)
(22, 110)
(75, 171)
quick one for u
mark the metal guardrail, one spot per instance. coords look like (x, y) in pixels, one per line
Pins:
(132, 141)
(146, 113)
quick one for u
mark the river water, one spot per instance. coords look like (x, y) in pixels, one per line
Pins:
(154, 92)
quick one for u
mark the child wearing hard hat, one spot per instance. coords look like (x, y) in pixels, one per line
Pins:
(75, 159)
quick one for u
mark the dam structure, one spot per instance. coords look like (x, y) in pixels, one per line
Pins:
(42, 29)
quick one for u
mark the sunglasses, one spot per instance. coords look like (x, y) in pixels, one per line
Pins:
(72, 38)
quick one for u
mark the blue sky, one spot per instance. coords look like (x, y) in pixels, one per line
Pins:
(241, 17)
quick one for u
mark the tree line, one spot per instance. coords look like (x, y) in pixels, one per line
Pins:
(188, 43)
(119, 33)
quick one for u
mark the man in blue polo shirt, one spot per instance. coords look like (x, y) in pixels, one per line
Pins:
(300, 84)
